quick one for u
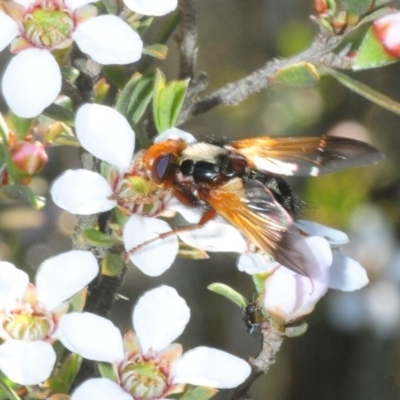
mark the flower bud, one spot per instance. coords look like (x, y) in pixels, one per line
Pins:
(29, 157)
(387, 31)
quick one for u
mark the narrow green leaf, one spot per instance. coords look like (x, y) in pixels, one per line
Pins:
(259, 282)
(125, 95)
(365, 91)
(115, 74)
(167, 101)
(21, 125)
(301, 74)
(78, 300)
(107, 371)
(199, 393)
(8, 390)
(112, 264)
(136, 96)
(296, 329)
(24, 193)
(229, 293)
(59, 113)
(4, 131)
(69, 369)
(111, 6)
(156, 50)
(97, 238)
(380, 12)
(371, 53)
(180, 88)
(358, 7)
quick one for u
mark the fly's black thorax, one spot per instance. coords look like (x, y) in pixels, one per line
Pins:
(209, 164)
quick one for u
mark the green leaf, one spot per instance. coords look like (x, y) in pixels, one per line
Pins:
(364, 90)
(192, 253)
(199, 393)
(301, 74)
(107, 371)
(259, 282)
(156, 50)
(229, 293)
(97, 238)
(24, 193)
(70, 73)
(380, 12)
(371, 53)
(358, 7)
(296, 329)
(111, 6)
(58, 113)
(69, 369)
(116, 75)
(7, 390)
(21, 125)
(78, 300)
(112, 264)
(136, 96)
(4, 131)
(167, 101)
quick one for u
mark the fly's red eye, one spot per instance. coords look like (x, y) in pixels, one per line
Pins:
(160, 168)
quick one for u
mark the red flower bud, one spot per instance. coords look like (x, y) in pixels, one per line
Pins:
(387, 31)
(29, 157)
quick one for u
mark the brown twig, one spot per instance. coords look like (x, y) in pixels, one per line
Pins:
(236, 92)
(272, 339)
(187, 39)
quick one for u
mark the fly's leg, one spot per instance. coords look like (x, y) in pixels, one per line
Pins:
(207, 216)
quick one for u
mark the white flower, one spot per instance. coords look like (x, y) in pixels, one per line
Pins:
(152, 7)
(289, 295)
(30, 314)
(159, 317)
(34, 28)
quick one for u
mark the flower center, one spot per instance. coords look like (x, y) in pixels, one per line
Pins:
(145, 378)
(47, 25)
(27, 324)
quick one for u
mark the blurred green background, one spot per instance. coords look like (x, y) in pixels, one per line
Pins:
(352, 348)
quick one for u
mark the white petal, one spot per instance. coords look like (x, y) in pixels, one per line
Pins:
(93, 337)
(346, 274)
(159, 317)
(254, 264)
(100, 389)
(280, 294)
(106, 134)
(215, 236)
(74, 4)
(8, 30)
(205, 366)
(24, 3)
(82, 192)
(13, 282)
(31, 82)
(155, 258)
(152, 7)
(108, 40)
(60, 277)
(191, 214)
(333, 236)
(27, 363)
(175, 134)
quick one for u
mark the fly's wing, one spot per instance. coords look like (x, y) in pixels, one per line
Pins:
(305, 156)
(254, 211)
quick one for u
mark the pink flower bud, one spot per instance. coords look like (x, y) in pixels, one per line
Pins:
(29, 157)
(320, 6)
(387, 31)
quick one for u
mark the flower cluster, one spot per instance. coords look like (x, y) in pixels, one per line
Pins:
(146, 364)
(30, 315)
